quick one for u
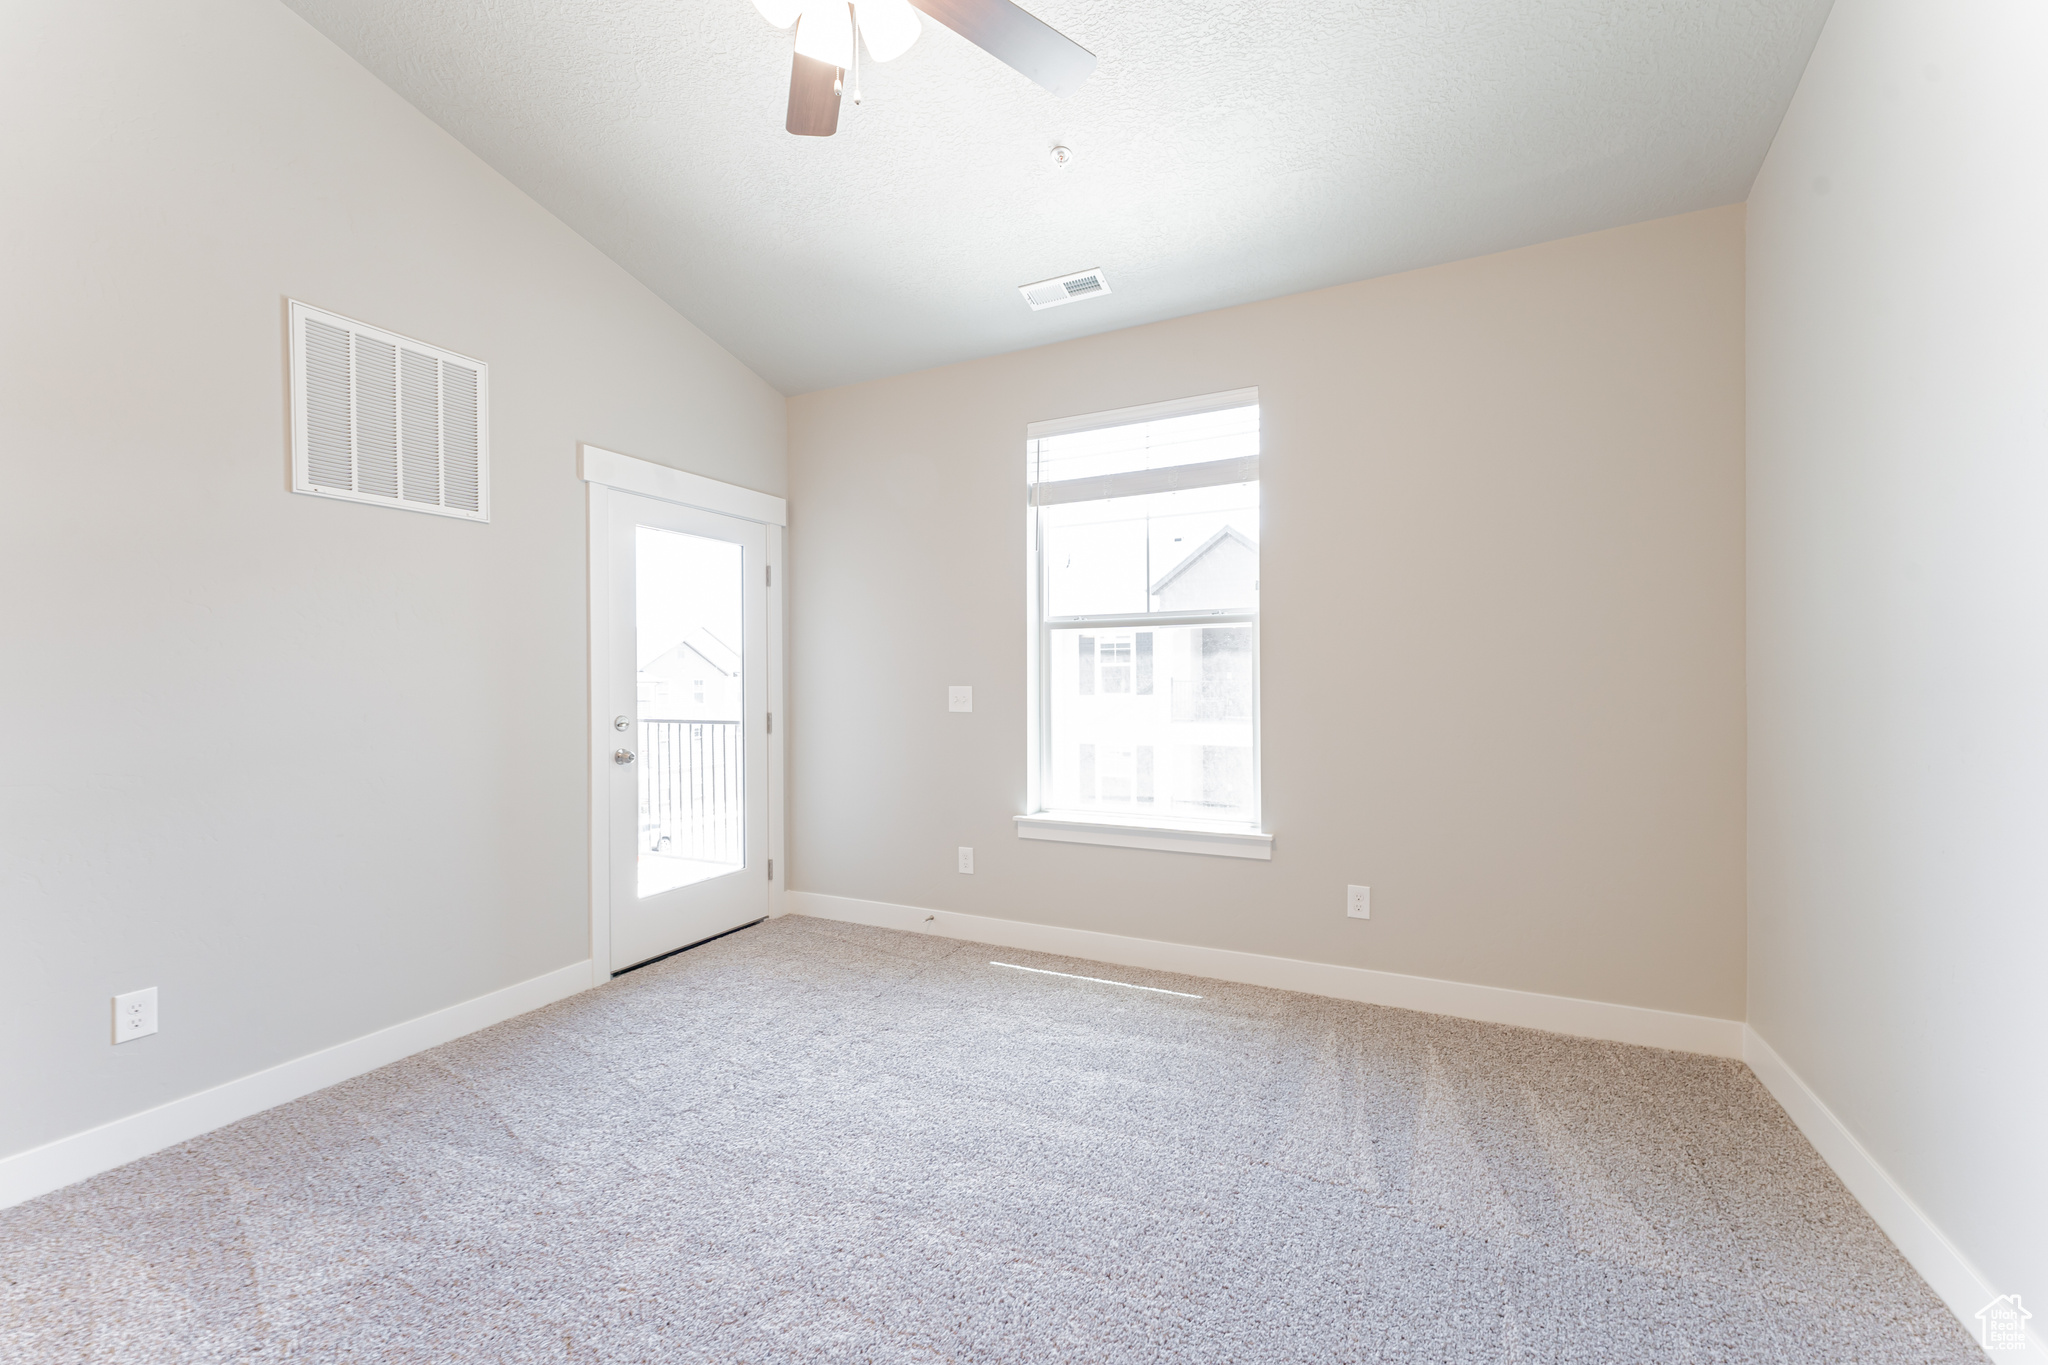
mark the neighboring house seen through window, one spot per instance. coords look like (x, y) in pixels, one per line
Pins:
(1145, 537)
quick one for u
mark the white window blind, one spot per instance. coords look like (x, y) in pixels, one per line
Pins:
(381, 418)
(1158, 448)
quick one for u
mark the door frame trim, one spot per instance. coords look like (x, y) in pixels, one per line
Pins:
(628, 474)
(603, 471)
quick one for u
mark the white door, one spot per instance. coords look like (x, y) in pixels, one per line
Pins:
(688, 798)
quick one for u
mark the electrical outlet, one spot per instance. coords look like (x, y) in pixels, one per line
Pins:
(959, 699)
(1358, 903)
(967, 860)
(134, 1015)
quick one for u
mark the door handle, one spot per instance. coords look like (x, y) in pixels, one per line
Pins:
(622, 756)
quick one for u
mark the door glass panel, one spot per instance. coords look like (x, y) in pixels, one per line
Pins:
(693, 808)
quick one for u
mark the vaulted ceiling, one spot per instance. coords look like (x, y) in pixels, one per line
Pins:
(1224, 151)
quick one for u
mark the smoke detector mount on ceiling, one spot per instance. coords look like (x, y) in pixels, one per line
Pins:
(1082, 284)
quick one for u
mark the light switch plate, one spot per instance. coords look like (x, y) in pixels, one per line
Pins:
(966, 859)
(134, 1015)
(959, 699)
(1358, 902)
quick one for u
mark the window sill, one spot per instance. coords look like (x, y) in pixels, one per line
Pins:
(1157, 834)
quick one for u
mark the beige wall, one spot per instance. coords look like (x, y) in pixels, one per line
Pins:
(1503, 644)
(309, 768)
(1898, 590)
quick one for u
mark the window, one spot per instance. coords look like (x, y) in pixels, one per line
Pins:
(1144, 535)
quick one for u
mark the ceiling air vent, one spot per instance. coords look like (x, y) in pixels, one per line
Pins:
(377, 417)
(1086, 284)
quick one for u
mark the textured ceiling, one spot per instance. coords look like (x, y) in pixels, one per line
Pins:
(1225, 151)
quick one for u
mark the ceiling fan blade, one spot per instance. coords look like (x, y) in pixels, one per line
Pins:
(813, 97)
(1016, 39)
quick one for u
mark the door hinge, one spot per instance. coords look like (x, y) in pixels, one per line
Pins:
(771, 574)
(771, 869)
(771, 722)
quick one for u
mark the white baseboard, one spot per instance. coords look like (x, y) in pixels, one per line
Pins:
(1489, 1004)
(1947, 1271)
(68, 1160)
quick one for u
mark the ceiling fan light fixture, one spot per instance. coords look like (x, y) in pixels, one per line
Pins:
(780, 13)
(831, 33)
(825, 33)
(888, 27)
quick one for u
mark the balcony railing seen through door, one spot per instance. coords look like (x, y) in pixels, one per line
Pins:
(693, 790)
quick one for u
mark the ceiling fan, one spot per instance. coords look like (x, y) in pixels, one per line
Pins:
(830, 32)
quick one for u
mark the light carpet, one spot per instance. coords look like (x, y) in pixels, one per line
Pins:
(819, 1142)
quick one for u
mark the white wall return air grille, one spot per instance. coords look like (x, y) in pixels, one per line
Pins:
(381, 418)
(1085, 284)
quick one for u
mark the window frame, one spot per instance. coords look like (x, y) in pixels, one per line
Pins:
(1238, 839)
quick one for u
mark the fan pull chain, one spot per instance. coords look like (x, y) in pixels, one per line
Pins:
(853, 22)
